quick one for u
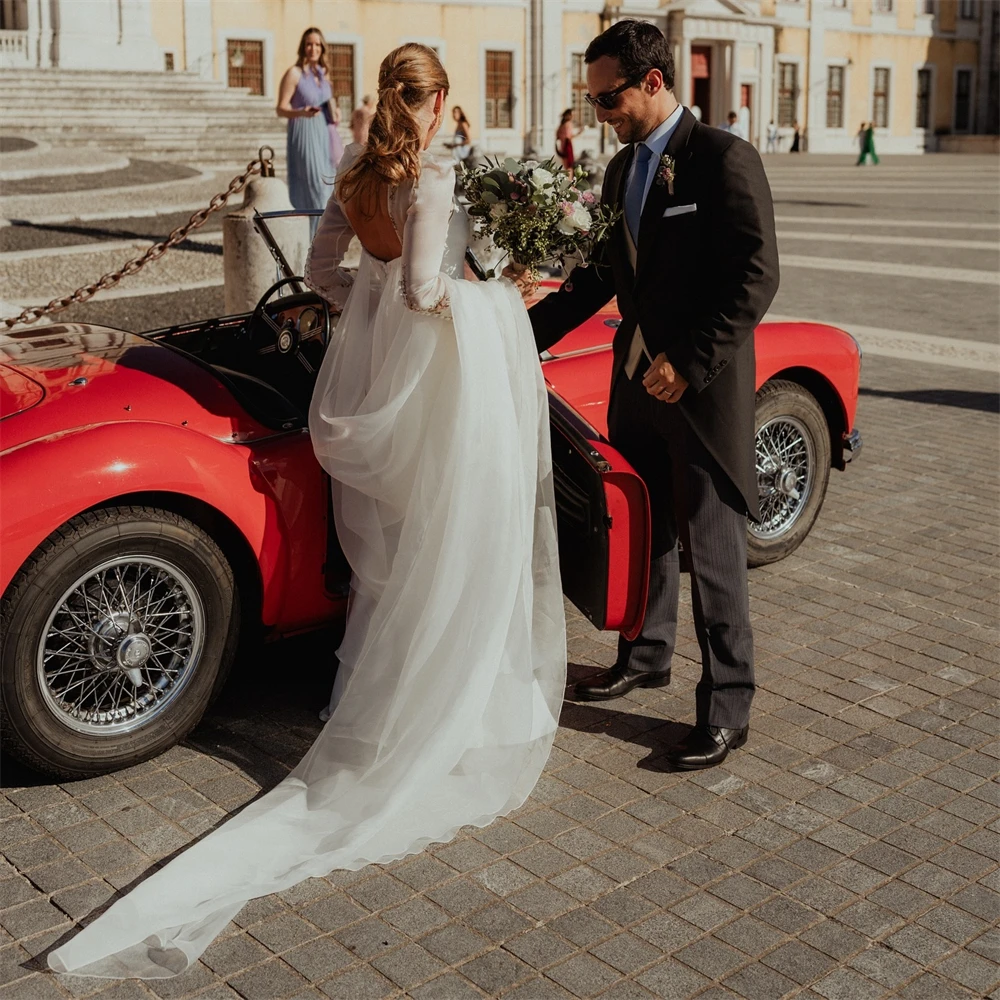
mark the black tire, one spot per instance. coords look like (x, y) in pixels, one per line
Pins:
(57, 723)
(786, 412)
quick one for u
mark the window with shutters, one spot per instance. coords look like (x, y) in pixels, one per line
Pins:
(923, 98)
(963, 99)
(835, 97)
(246, 64)
(342, 78)
(882, 6)
(583, 113)
(880, 98)
(499, 89)
(788, 93)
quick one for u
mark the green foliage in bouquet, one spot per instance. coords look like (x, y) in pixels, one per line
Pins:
(537, 212)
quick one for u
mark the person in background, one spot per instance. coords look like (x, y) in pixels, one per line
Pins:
(304, 93)
(332, 114)
(796, 139)
(696, 111)
(866, 140)
(361, 119)
(772, 137)
(732, 125)
(461, 142)
(565, 135)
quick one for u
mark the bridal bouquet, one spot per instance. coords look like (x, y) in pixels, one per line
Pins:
(536, 212)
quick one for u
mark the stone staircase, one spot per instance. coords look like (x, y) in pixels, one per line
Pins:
(160, 115)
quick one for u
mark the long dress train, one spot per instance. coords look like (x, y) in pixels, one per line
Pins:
(434, 427)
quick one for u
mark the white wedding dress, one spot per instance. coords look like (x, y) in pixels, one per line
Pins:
(430, 414)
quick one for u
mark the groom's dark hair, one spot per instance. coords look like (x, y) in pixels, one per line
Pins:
(638, 46)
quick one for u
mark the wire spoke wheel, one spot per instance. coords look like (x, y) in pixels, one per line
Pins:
(785, 471)
(120, 645)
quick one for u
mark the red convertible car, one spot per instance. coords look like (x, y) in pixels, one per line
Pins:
(161, 503)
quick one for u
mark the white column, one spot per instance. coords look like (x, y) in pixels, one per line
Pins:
(816, 82)
(734, 80)
(682, 69)
(198, 37)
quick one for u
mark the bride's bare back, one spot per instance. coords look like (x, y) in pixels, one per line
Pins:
(377, 231)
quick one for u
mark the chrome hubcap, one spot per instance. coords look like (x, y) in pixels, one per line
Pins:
(121, 645)
(785, 463)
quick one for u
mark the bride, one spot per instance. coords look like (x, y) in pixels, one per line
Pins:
(430, 415)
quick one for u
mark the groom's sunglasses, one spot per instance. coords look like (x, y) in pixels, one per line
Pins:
(610, 99)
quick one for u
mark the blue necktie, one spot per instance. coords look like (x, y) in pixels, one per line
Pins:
(633, 196)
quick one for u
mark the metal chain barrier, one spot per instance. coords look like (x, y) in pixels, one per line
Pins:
(263, 165)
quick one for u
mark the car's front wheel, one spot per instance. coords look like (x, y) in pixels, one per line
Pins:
(793, 467)
(114, 637)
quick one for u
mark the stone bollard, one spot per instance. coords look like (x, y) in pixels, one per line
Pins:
(247, 264)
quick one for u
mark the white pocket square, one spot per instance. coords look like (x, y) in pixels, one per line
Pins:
(679, 210)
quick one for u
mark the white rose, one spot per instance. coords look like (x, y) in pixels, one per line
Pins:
(540, 177)
(581, 217)
(500, 208)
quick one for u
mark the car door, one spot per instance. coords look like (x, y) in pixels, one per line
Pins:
(602, 510)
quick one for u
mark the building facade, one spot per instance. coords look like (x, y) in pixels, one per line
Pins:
(919, 70)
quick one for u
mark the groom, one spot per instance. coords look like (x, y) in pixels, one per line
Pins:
(694, 264)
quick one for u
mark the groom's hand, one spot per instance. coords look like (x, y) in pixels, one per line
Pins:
(663, 380)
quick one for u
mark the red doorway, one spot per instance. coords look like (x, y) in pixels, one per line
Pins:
(701, 80)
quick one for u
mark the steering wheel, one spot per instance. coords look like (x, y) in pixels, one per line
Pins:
(266, 337)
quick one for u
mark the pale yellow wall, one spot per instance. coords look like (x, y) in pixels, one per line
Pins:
(380, 28)
(793, 42)
(906, 14)
(767, 8)
(168, 29)
(862, 12)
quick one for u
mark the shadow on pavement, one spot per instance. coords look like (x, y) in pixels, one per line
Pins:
(988, 402)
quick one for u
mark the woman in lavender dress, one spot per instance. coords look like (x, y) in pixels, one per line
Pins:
(304, 100)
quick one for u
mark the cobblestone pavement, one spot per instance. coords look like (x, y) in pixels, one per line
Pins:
(850, 851)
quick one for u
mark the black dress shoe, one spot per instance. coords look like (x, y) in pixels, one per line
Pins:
(620, 681)
(705, 746)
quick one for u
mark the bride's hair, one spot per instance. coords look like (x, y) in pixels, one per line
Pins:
(407, 77)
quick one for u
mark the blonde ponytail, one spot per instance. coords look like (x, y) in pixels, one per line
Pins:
(407, 77)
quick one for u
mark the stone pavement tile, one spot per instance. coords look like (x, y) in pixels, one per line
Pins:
(583, 927)
(273, 980)
(757, 982)
(465, 855)
(672, 981)
(504, 877)
(749, 935)
(661, 887)
(929, 986)
(846, 984)
(318, 958)
(415, 917)
(741, 891)
(455, 943)
(379, 892)
(627, 990)
(333, 912)
(710, 957)
(495, 971)
(535, 989)
(499, 922)
(196, 978)
(933, 879)
(460, 896)
(368, 938)
(979, 901)
(885, 966)
(988, 945)
(624, 906)
(920, 944)
(952, 923)
(799, 962)
(539, 947)
(971, 971)
(227, 956)
(906, 900)
(281, 932)
(583, 882)
(776, 872)
(505, 837)
(787, 915)
(450, 986)
(626, 953)
(408, 966)
(834, 939)
(704, 911)
(83, 899)
(34, 853)
(623, 865)
(582, 843)
(583, 975)
(362, 983)
(543, 901)
(31, 918)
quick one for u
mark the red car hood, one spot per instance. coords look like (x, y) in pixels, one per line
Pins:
(58, 379)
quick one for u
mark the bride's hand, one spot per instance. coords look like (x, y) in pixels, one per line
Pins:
(524, 279)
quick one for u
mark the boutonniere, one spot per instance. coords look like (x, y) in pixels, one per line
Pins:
(665, 173)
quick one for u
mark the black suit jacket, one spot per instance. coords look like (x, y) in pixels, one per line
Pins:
(703, 281)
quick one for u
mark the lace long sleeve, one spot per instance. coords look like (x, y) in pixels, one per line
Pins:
(425, 236)
(323, 271)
